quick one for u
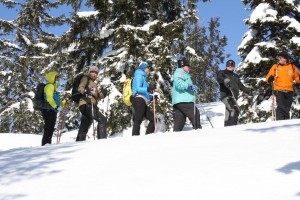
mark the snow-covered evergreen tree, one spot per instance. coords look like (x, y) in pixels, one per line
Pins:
(33, 58)
(117, 35)
(205, 50)
(113, 35)
(273, 27)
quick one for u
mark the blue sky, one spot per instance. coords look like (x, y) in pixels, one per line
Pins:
(231, 13)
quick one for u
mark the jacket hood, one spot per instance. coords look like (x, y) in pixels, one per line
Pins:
(50, 77)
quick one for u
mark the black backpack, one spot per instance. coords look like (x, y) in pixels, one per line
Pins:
(38, 100)
(75, 94)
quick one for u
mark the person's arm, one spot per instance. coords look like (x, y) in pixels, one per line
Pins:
(220, 77)
(83, 83)
(243, 88)
(139, 85)
(179, 83)
(271, 75)
(296, 74)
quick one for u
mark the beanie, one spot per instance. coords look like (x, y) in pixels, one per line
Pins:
(93, 69)
(230, 63)
(143, 65)
(284, 54)
(182, 63)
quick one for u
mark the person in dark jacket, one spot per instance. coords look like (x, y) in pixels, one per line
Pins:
(141, 91)
(230, 85)
(183, 96)
(51, 106)
(88, 105)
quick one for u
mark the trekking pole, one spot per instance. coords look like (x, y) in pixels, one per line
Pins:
(107, 134)
(273, 102)
(195, 127)
(273, 107)
(205, 113)
(235, 101)
(93, 119)
(61, 122)
(107, 105)
(208, 118)
(154, 111)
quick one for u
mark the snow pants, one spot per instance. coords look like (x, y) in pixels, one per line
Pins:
(141, 110)
(183, 111)
(284, 100)
(87, 117)
(49, 117)
(231, 112)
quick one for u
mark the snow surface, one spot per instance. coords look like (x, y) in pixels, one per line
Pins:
(253, 161)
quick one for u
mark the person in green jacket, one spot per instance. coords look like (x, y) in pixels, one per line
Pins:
(52, 106)
(183, 95)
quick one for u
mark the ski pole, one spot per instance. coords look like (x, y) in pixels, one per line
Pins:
(61, 123)
(235, 101)
(205, 113)
(154, 111)
(273, 107)
(195, 126)
(93, 118)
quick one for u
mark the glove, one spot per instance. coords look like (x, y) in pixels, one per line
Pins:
(88, 91)
(151, 88)
(271, 79)
(155, 95)
(58, 108)
(63, 102)
(227, 82)
(193, 87)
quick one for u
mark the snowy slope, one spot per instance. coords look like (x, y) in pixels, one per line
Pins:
(254, 161)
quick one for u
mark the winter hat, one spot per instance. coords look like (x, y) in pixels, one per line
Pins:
(230, 63)
(284, 54)
(143, 65)
(182, 63)
(93, 69)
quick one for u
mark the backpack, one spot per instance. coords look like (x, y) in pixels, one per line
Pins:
(127, 91)
(38, 100)
(75, 95)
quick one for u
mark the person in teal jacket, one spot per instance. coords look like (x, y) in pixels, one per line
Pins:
(52, 105)
(183, 95)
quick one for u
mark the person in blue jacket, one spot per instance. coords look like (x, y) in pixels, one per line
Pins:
(183, 95)
(140, 98)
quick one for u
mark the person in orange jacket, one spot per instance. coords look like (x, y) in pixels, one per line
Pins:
(282, 76)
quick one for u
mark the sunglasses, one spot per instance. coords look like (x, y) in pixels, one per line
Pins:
(230, 65)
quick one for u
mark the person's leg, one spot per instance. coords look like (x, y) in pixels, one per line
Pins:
(231, 115)
(188, 110)
(280, 101)
(86, 121)
(139, 106)
(101, 128)
(179, 118)
(288, 96)
(150, 116)
(49, 117)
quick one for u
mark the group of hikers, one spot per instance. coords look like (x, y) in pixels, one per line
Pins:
(280, 77)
